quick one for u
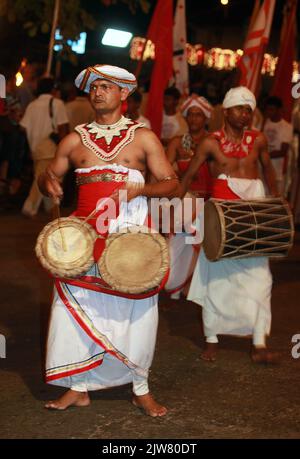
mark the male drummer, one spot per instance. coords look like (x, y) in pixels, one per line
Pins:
(101, 340)
(235, 294)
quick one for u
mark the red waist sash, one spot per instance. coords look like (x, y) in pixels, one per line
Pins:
(89, 195)
(221, 190)
(94, 189)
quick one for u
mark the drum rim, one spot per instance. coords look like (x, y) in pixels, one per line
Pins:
(146, 286)
(215, 204)
(63, 271)
(291, 218)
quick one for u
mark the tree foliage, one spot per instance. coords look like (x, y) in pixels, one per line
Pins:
(37, 15)
(132, 4)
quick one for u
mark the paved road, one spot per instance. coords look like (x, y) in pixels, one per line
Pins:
(231, 398)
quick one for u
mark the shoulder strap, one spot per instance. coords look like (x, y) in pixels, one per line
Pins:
(51, 112)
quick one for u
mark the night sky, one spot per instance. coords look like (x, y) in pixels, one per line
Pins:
(201, 15)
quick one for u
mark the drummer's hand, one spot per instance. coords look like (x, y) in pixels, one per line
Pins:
(53, 187)
(132, 190)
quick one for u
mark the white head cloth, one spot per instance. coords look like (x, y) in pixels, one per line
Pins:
(195, 101)
(239, 96)
(117, 75)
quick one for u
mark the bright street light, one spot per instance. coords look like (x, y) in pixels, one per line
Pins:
(114, 37)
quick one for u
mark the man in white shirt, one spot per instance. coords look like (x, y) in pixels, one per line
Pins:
(133, 109)
(279, 134)
(173, 123)
(42, 117)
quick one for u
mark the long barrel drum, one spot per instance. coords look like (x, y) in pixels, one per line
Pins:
(241, 229)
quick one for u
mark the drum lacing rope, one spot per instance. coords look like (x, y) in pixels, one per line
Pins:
(256, 227)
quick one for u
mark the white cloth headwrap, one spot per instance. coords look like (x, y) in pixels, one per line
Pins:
(117, 75)
(196, 101)
(239, 96)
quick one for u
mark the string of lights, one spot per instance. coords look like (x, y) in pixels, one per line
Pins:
(217, 58)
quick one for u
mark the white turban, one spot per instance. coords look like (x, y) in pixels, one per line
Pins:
(117, 75)
(195, 101)
(239, 96)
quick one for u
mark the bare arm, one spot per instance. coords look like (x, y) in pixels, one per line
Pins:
(201, 155)
(49, 181)
(164, 182)
(267, 167)
(167, 182)
(280, 153)
(172, 150)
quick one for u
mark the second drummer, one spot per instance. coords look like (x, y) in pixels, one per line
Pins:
(235, 294)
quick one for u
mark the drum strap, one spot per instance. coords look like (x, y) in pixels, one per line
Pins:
(98, 285)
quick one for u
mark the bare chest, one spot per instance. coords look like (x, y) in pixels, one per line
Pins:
(236, 167)
(131, 156)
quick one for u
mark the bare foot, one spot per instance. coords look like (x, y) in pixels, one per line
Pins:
(264, 355)
(69, 398)
(148, 405)
(210, 352)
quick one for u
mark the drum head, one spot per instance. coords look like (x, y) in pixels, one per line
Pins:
(134, 261)
(65, 247)
(213, 231)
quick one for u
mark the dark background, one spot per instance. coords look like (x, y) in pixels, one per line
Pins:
(208, 23)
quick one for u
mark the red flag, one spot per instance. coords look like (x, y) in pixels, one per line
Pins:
(257, 39)
(282, 86)
(161, 34)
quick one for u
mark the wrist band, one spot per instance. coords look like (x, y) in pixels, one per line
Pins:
(170, 177)
(51, 174)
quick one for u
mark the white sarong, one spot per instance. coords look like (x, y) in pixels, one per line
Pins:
(235, 294)
(183, 258)
(183, 255)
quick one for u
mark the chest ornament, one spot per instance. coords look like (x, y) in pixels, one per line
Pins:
(107, 140)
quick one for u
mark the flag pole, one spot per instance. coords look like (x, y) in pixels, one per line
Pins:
(140, 63)
(52, 36)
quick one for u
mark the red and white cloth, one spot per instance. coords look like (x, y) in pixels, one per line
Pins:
(236, 150)
(196, 101)
(99, 340)
(117, 75)
(257, 39)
